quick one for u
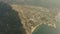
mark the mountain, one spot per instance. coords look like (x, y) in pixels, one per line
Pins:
(33, 16)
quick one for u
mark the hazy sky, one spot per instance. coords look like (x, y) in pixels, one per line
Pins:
(47, 3)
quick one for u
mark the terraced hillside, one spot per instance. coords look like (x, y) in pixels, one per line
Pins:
(32, 16)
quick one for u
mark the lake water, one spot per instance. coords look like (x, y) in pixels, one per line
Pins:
(44, 29)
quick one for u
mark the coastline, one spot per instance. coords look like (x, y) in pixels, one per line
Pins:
(35, 27)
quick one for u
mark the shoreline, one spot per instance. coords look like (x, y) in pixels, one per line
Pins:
(35, 27)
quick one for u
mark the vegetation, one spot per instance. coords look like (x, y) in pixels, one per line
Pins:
(21, 18)
(32, 16)
(9, 20)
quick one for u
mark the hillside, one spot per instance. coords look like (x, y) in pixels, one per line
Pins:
(33, 16)
(28, 19)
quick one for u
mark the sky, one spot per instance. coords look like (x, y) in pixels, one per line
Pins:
(46, 3)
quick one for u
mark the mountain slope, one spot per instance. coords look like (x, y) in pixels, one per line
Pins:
(31, 16)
